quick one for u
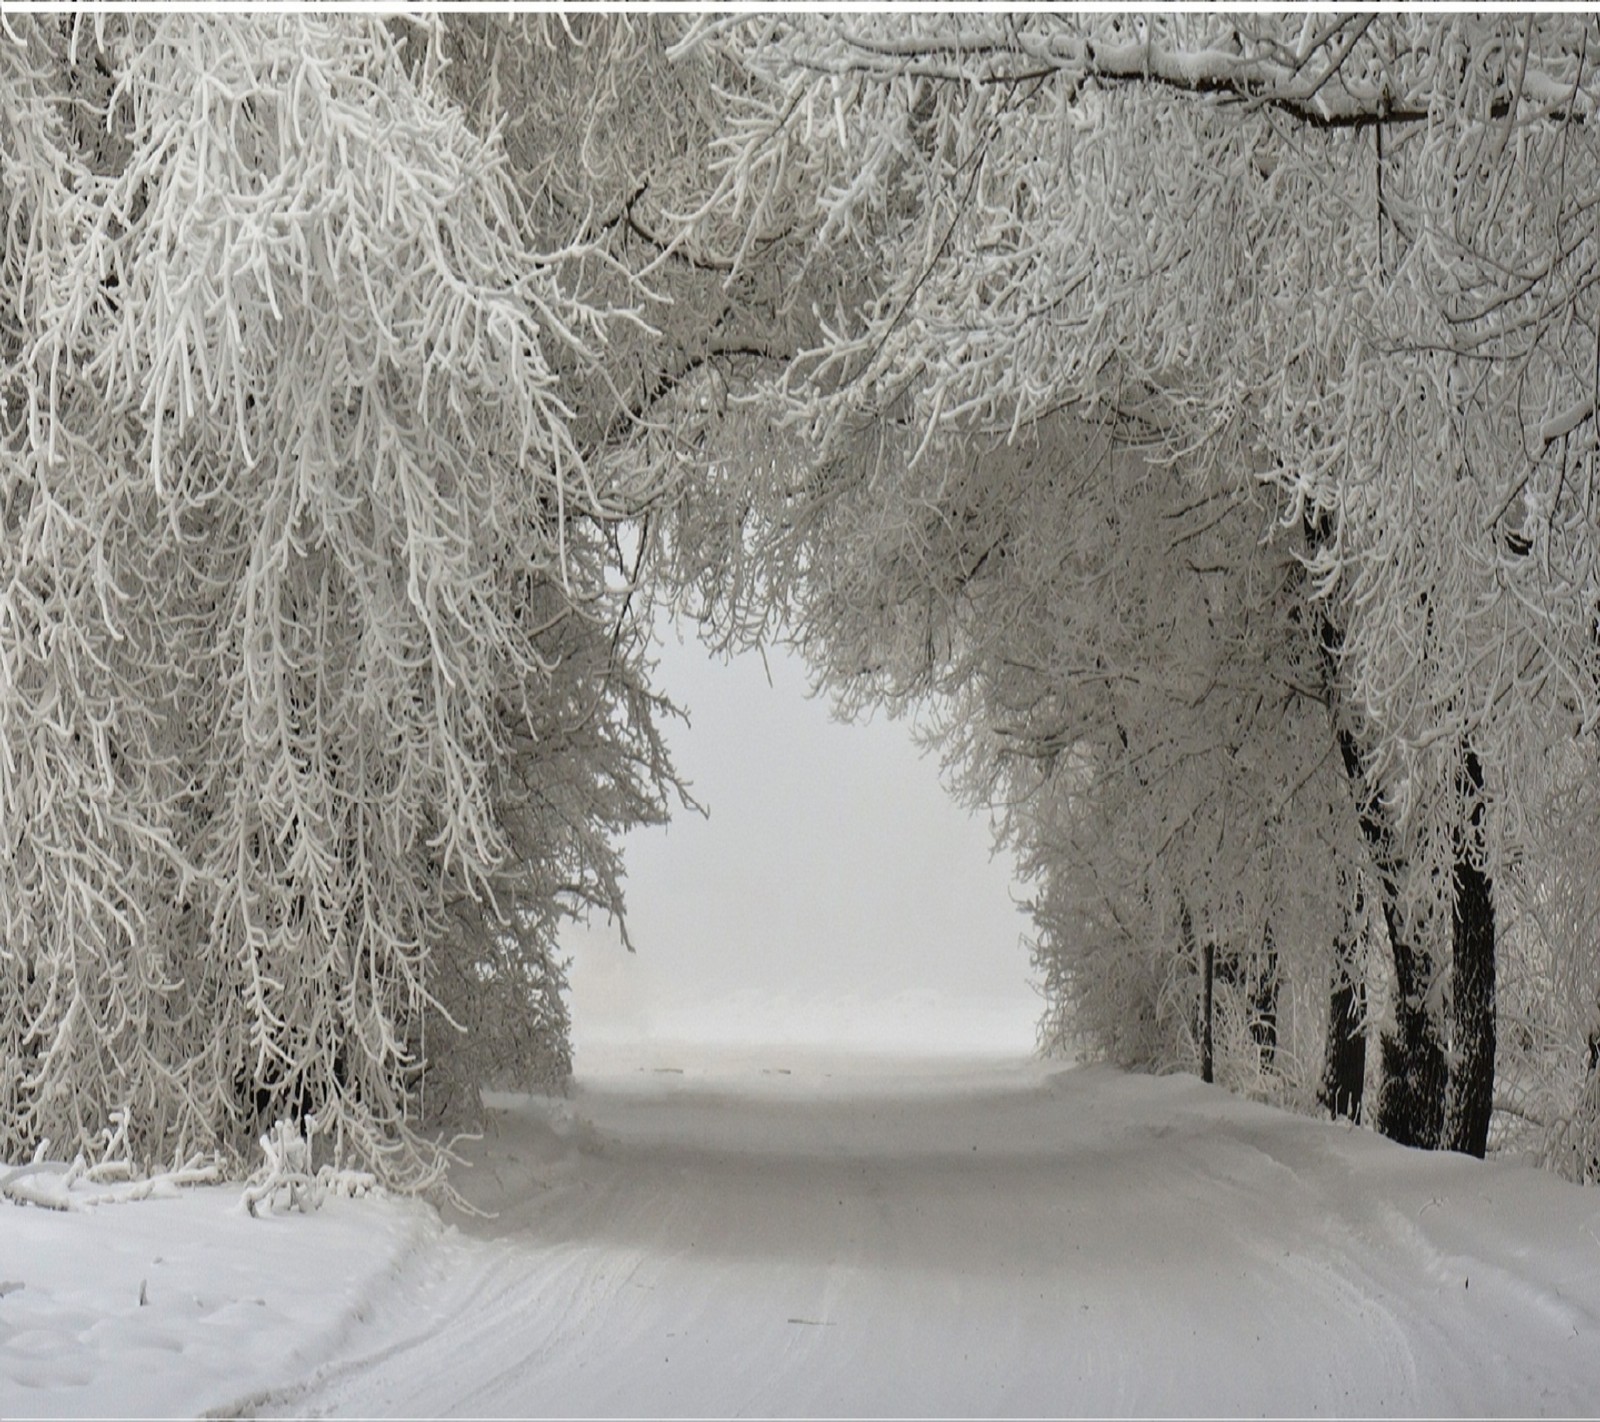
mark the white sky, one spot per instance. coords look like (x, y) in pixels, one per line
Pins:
(836, 894)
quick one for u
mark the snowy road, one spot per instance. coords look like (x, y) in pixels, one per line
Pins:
(974, 1240)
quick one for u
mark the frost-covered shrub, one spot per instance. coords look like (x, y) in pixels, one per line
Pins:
(289, 1177)
(1106, 994)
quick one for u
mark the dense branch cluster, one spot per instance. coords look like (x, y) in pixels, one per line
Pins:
(315, 714)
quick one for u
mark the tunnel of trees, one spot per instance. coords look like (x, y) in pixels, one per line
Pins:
(1194, 418)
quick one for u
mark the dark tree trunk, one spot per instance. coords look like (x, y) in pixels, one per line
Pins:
(1264, 1003)
(1411, 1102)
(1470, 1101)
(1344, 1071)
(1590, 1173)
(1204, 958)
(1344, 1067)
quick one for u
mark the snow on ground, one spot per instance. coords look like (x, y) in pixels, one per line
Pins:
(170, 1307)
(796, 1231)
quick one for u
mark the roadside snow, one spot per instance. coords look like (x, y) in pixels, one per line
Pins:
(171, 1307)
(789, 1232)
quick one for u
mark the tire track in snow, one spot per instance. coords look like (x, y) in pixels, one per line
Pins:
(1057, 1243)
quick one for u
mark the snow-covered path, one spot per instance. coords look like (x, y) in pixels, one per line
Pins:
(973, 1239)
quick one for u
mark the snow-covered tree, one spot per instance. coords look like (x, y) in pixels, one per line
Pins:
(1341, 261)
(319, 702)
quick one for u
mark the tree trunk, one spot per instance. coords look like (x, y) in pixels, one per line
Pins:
(1344, 1071)
(1411, 1102)
(1470, 1100)
(1204, 959)
(1344, 1068)
(1264, 1003)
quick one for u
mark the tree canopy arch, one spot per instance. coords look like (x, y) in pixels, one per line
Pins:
(1204, 407)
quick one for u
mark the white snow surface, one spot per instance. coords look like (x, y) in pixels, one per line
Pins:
(791, 1231)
